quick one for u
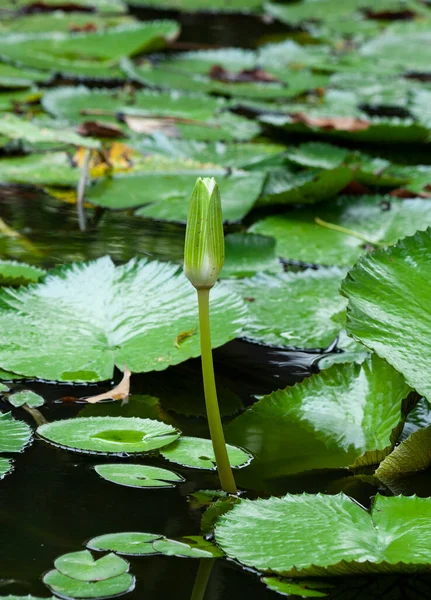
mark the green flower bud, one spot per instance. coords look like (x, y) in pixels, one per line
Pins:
(204, 247)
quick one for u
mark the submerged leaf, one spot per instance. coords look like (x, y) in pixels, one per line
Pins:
(274, 535)
(110, 435)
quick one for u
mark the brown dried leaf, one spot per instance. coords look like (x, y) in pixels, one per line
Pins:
(149, 126)
(121, 391)
(336, 123)
(256, 75)
(405, 193)
(99, 129)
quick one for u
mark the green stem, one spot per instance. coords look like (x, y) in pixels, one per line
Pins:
(202, 578)
(214, 421)
(347, 231)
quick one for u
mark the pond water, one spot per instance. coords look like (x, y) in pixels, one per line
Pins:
(55, 502)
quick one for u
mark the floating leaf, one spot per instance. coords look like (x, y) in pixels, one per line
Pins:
(246, 254)
(5, 467)
(388, 310)
(201, 5)
(196, 117)
(15, 128)
(274, 535)
(193, 546)
(299, 310)
(307, 588)
(53, 168)
(83, 567)
(4, 387)
(29, 597)
(85, 318)
(110, 435)
(89, 54)
(198, 453)
(14, 435)
(374, 218)
(166, 194)
(66, 587)
(413, 454)
(14, 77)
(346, 415)
(130, 543)
(16, 273)
(26, 397)
(139, 476)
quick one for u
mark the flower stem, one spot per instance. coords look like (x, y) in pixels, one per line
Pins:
(213, 413)
(202, 578)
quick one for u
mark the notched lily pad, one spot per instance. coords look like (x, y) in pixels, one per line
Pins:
(66, 587)
(193, 546)
(110, 435)
(198, 453)
(26, 397)
(139, 476)
(83, 567)
(129, 543)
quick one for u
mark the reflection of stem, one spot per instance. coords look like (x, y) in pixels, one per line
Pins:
(347, 231)
(36, 414)
(81, 190)
(202, 578)
(214, 421)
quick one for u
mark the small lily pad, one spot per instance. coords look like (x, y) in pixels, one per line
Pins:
(66, 587)
(83, 567)
(4, 387)
(139, 476)
(110, 435)
(16, 273)
(26, 397)
(14, 434)
(193, 546)
(198, 453)
(5, 467)
(130, 543)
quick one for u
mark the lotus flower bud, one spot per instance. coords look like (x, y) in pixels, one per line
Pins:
(204, 246)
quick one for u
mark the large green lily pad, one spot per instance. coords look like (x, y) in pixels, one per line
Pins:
(86, 318)
(388, 310)
(300, 310)
(66, 587)
(376, 219)
(346, 415)
(412, 455)
(274, 535)
(110, 435)
(14, 435)
(167, 194)
(53, 168)
(196, 117)
(88, 54)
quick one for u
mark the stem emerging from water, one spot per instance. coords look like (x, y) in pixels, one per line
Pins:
(216, 429)
(202, 578)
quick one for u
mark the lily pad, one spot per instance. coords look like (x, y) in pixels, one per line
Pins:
(412, 455)
(196, 117)
(274, 534)
(380, 220)
(88, 54)
(346, 415)
(5, 467)
(13, 77)
(201, 5)
(110, 435)
(130, 543)
(85, 318)
(26, 397)
(388, 310)
(14, 435)
(53, 168)
(297, 310)
(193, 546)
(14, 128)
(167, 194)
(247, 254)
(198, 453)
(4, 387)
(307, 588)
(16, 273)
(139, 476)
(66, 587)
(82, 566)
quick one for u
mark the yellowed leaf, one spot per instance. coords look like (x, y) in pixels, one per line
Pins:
(121, 391)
